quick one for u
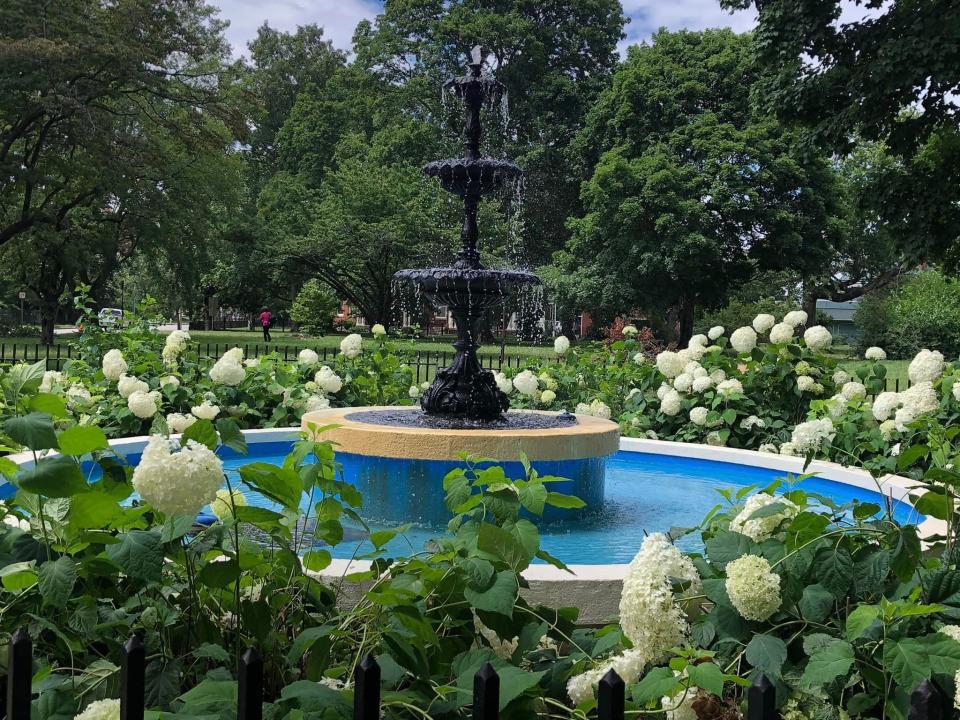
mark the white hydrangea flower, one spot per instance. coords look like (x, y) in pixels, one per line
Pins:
(700, 340)
(316, 402)
(680, 706)
(233, 355)
(802, 368)
(649, 615)
(718, 376)
(698, 415)
(113, 365)
(599, 409)
(763, 322)
(51, 380)
(205, 411)
(836, 406)
(178, 423)
(222, 507)
(581, 409)
(885, 404)
(781, 332)
(108, 709)
(683, 382)
(629, 331)
(328, 381)
(177, 483)
(351, 346)
(701, 384)
(809, 436)
(639, 358)
(854, 391)
(902, 418)
(414, 392)
(308, 357)
(548, 396)
(887, 427)
(663, 390)
(633, 392)
(805, 383)
(955, 389)
(691, 352)
(670, 363)
(753, 588)
(788, 448)
(841, 376)
(177, 340)
(926, 366)
(715, 439)
(561, 344)
(251, 362)
(919, 399)
(769, 448)
(227, 371)
(818, 338)
(743, 340)
(670, 404)
(715, 332)
(378, 330)
(952, 631)
(504, 383)
(795, 318)
(875, 353)
(628, 665)
(548, 382)
(752, 421)
(144, 404)
(727, 388)
(78, 397)
(127, 385)
(171, 380)
(761, 528)
(525, 382)
(697, 370)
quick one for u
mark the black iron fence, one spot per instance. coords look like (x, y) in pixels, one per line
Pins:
(927, 702)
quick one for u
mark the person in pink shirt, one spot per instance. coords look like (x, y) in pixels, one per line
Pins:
(265, 323)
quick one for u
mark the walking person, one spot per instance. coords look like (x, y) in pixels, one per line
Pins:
(265, 318)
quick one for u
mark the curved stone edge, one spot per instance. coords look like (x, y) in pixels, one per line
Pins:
(589, 437)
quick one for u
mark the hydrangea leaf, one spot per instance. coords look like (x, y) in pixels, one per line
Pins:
(93, 510)
(816, 602)
(708, 676)
(767, 653)
(203, 432)
(726, 547)
(912, 660)
(500, 597)
(860, 620)
(82, 439)
(34, 431)
(659, 682)
(56, 580)
(230, 435)
(55, 477)
(139, 553)
(834, 570)
(828, 664)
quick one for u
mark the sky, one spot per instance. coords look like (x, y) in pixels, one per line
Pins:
(340, 17)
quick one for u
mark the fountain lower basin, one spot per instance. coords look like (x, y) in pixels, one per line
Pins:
(398, 457)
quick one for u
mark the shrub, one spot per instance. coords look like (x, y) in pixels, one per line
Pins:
(923, 312)
(314, 307)
(738, 313)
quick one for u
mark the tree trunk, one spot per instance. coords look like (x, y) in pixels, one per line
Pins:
(48, 318)
(685, 321)
(810, 302)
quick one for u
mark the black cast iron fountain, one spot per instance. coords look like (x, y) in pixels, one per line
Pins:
(465, 391)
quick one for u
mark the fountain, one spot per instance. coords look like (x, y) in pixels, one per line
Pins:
(398, 456)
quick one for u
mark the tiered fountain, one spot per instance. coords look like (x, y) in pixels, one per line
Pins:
(399, 456)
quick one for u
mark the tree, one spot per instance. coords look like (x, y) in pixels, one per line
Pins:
(314, 307)
(86, 86)
(892, 76)
(691, 191)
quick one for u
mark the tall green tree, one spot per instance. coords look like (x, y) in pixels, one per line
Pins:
(891, 75)
(691, 191)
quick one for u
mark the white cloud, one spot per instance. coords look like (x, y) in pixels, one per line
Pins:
(338, 18)
(648, 16)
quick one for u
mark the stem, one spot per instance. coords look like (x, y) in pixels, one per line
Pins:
(236, 583)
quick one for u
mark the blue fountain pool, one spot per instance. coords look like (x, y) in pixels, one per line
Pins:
(644, 493)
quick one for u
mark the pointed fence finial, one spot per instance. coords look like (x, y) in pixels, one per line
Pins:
(366, 689)
(610, 696)
(486, 693)
(250, 686)
(926, 702)
(133, 678)
(762, 700)
(19, 675)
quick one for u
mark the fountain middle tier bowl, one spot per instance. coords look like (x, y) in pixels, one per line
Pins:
(399, 468)
(477, 288)
(480, 176)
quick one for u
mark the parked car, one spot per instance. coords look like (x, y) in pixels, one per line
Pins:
(110, 318)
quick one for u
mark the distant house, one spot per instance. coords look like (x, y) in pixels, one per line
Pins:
(841, 317)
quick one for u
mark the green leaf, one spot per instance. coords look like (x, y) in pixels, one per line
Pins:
(231, 435)
(906, 555)
(816, 603)
(203, 432)
(707, 676)
(834, 570)
(912, 660)
(139, 553)
(726, 547)
(828, 664)
(908, 456)
(306, 640)
(858, 621)
(82, 439)
(500, 597)
(176, 527)
(24, 379)
(767, 653)
(317, 560)
(50, 404)
(560, 500)
(209, 651)
(57, 476)
(34, 430)
(502, 544)
(533, 497)
(19, 575)
(658, 683)
(865, 511)
(56, 580)
(212, 692)
(478, 572)
(92, 510)
(277, 483)
(934, 503)
(220, 573)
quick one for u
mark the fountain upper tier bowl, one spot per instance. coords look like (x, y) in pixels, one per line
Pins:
(480, 176)
(481, 287)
